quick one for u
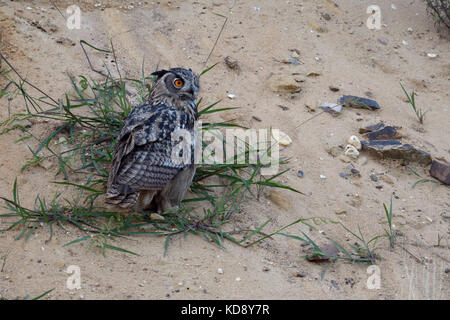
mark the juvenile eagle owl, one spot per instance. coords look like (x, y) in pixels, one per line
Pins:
(147, 172)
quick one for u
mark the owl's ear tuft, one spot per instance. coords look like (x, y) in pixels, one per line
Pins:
(159, 73)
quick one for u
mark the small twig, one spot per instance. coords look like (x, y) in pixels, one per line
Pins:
(217, 39)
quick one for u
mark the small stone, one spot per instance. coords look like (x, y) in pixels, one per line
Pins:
(355, 172)
(335, 151)
(298, 274)
(313, 74)
(65, 41)
(331, 108)
(285, 84)
(329, 251)
(446, 215)
(257, 118)
(371, 128)
(340, 211)
(238, 279)
(333, 88)
(394, 149)
(432, 55)
(351, 151)
(379, 187)
(354, 141)
(358, 102)
(300, 173)
(311, 107)
(410, 30)
(220, 271)
(284, 139)
(343, 175)
(231, 96)
(387, 133)
(393, 6)
(232, 63)
(322, 176)
(440, 171)
(388, 179)
(344, 158)
(383, 41)
(265, 269)
(405, 43)
(326, 16)
(373, 177)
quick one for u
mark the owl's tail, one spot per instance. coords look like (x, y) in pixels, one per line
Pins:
(124, 200)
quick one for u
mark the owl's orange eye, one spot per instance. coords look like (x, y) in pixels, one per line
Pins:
(178, 82)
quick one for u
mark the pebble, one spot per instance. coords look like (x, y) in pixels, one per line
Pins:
(354, 141)
(351, 151)
(373, 177)
(440, 171)
(220, 271)
(405, 43)
(286, 84)
(340, 211)
(300, 173)
(343, 175)
(333, 88)
(231, 96)
(446, 215)
(358, 102)
(383, 41)
(331, 108)
(387, 133)
(238, 279)
(379, 187)
(432, 55)
(388, 179)
(298, 274)
(326, 16)
(231, 63)
(322, 176)
(284, 140)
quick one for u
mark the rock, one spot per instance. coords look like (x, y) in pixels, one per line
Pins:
(326, 16)
(394, 149)
(387, 178)
(310, 106)
(354, 141)
(351, 151)
(344, 158)
(358, 102)
(335, 151)
(280, 199)
(313, 74)
(299, 274)
(379, 187)
(284, 139)
(446, 215)
(232, 63)
(371, 128)
(355, 172)
(383, 41)
(65, 41)
(332, 108)
(343, 175)
(333, 88)
(231, 96)
(285, 84)
(340, 211)
(387, 133)
(322, 176)
(432, 55)
(373, 177)
(329, 251)
(440, 171)
(300, 173)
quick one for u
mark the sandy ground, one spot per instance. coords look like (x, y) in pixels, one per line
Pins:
(259, 34)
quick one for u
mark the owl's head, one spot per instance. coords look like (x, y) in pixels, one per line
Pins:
(178, 83)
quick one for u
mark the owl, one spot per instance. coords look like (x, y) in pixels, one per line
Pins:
(153, 164)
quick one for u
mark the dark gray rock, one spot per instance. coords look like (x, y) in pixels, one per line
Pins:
(371, 128)
(394, 149)
(358, 102)
(387, 133)
(440, 171)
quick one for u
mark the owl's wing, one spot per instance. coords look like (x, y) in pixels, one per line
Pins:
(143, 155)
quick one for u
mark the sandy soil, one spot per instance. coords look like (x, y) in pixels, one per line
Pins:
(259, 34)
